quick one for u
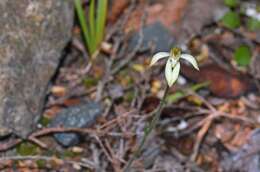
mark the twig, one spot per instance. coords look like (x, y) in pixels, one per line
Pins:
(121, 22)
(115, 120)
(46, 158)
(80, 46)
(121, 64)
(47, 131)
(115, 160)
(200, 137)
(207, 122)
(37, 142)
(104, 149)
(10, 144)
(130, 57)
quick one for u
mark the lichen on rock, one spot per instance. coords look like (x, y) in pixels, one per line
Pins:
(32, 36)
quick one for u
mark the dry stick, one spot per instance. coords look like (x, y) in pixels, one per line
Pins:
(121, 64)
(115, 160)
(46, 158)
(201, 135)
(118, 28)
(131, 56)
(104, 149)
(37, 142)
(206, 124)
(46, 131)
(148, 130)
(10, 144)
(122, 21)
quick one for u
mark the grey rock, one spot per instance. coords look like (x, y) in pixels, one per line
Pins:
(32, 36)
(156, 34)
(79, 116)
(197, 15)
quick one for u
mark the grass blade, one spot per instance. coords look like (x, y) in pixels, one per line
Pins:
(83, 24)
(92, 22)
(101, 20)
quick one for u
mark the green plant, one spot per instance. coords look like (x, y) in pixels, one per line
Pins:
(172, 71)
(242, 55)
(231, 3)
(93, 28)
(231, 20)
(253, 24)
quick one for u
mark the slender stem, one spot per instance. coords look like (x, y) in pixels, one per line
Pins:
(148, 130)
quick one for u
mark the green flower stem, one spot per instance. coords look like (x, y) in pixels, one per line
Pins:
(148, 130)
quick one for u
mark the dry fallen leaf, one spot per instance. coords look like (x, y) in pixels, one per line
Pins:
(222, 83)
(58, 91)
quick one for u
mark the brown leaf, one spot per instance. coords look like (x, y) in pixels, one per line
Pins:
(150, 104)
(222, 83)
(71, 102)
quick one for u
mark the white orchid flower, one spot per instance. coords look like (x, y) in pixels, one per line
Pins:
(172, 68)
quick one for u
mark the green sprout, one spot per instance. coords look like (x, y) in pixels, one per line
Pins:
(93, 28)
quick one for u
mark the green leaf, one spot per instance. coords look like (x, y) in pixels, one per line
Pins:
(92, 22)
(231, 3)
(242, 55)
(198, 86)
(93, 29)
(173, 98)
(90, 81)
(253, 24)
(44, 121)
(84, 27)
(231, 20)
(258, 8)
(101, 19)
(41, 163)
(68, 154)
(26, 149)
(129, 96)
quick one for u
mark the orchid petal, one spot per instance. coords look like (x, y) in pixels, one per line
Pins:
(190, 59)
(159, 56)
(172, 71)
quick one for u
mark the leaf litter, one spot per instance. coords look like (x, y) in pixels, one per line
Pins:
(209, 124)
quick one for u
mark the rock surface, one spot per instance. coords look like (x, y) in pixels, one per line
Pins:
(32, 37)
(196, 16)
(79, 116)
(156, 34)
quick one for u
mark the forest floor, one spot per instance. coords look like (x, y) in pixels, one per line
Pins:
(211, 118)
